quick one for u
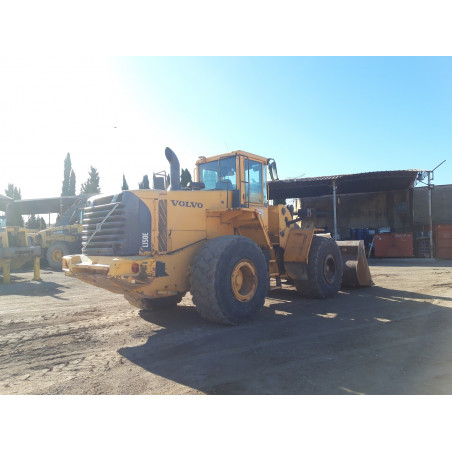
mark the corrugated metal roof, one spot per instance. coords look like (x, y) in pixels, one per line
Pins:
(345, 184)
(43, 205)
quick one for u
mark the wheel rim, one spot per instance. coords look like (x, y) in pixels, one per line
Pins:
(329, 268)
(57, 255)
(244, 281)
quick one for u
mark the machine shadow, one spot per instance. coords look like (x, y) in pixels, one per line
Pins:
(301, 346)
(29, 288)
(26, 287)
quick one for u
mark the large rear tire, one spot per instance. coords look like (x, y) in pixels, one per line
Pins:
(229, 280)
(55, 254)
(324, 270)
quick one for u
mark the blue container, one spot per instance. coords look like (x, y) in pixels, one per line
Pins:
(360, 234)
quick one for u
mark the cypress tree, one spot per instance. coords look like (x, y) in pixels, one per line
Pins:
(125, 186)
(91, 186)
(67, 175)
(144, 183)
(185, 177)
(71, 191)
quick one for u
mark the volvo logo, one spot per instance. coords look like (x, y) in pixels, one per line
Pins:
(191, 204)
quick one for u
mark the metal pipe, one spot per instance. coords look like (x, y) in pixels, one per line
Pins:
(7, 271)
(37, 269)
(430, 188)
(334, 210)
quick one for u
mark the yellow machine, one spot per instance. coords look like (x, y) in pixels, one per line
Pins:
(218, 238)
(14, 251)
(54, 241)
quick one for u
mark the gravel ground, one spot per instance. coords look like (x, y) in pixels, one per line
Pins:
(61, 336)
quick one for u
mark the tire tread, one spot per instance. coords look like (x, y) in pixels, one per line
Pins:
(312, 288)
(203, 277)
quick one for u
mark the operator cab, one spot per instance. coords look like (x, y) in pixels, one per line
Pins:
(242, 173)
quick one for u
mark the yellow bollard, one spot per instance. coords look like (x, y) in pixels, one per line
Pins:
(37, 269)
(6, 272)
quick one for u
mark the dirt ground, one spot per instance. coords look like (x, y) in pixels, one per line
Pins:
(60, 336)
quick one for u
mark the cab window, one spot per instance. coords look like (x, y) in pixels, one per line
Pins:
(254, 177)
(216, 174)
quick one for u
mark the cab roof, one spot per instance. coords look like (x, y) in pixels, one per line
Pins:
(255, 157)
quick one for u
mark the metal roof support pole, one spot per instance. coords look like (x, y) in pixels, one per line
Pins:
(335, 237)
(430, 188)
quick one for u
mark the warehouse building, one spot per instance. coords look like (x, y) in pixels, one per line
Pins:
(389, 210)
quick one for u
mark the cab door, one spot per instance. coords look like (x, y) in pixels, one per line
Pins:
(254, 185)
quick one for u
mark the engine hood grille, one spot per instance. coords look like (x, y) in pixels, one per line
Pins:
(116, 225)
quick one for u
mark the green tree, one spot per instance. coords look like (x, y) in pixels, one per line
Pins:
(72, 183)
(91, 186)
(42, 223)
(185, 177)
(13, 192)
(69, 178)
(144, 183)
(125, 186)
(35, 222)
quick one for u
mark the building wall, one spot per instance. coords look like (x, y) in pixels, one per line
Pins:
(441, 205)
(366, 210)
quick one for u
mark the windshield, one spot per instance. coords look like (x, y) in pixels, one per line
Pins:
(216, 174)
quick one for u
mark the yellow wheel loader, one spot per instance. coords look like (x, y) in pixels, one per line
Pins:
(56, 241)
(15, 252)
(62, 238)
(218, 238)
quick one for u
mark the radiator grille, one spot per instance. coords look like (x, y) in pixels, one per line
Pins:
(162, 236)
(118, 225)
(104, 227)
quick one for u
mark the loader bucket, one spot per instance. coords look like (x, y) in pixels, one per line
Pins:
(356, 271)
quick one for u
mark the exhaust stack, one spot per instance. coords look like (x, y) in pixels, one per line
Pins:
(174, 169)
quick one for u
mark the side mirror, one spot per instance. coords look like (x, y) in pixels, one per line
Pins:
(272, 169)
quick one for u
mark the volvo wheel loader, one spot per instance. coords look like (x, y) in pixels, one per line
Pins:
(218, 238)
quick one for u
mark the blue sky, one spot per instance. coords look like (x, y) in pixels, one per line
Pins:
(314, 115)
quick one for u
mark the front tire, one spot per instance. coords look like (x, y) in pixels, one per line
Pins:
(229, 280)
(55, 254)
(324, 270)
